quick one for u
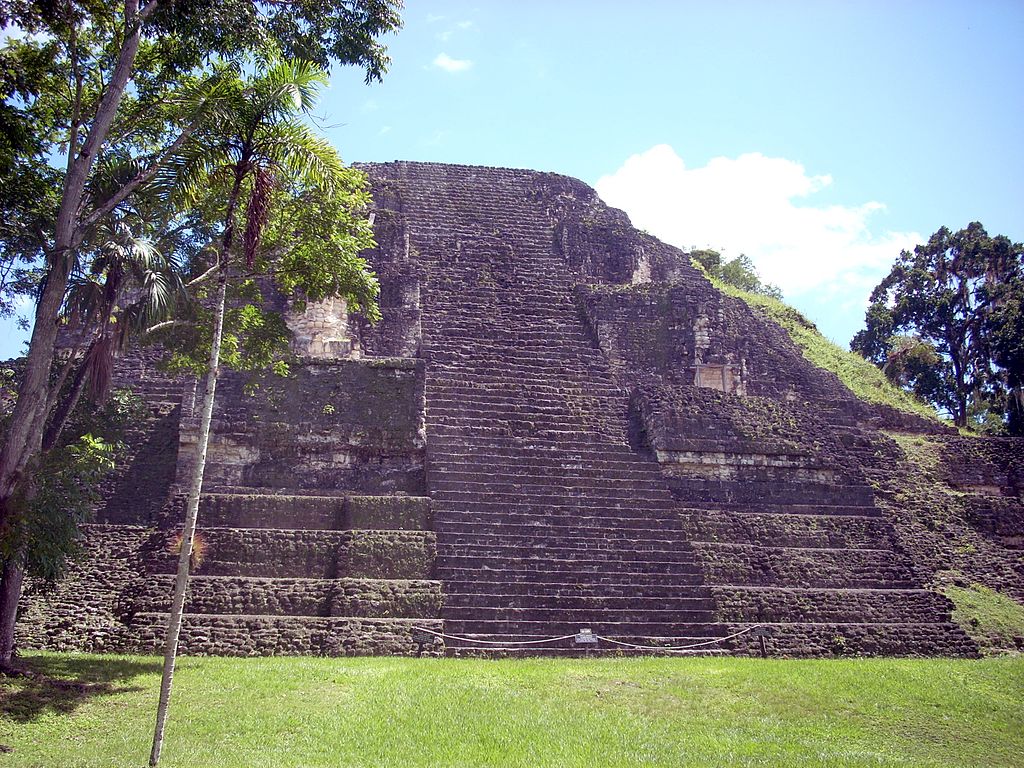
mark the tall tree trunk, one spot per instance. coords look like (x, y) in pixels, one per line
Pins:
(10, 594)
(188, 533)
(25, 432)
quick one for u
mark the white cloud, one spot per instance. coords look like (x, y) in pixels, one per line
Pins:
(448, 64)
(760, 206)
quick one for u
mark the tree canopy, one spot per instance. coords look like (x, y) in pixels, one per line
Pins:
(946, 323)
(738, 272)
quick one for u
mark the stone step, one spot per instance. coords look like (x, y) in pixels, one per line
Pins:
(770, 492)
(788, 530)
(557, 439)
(797, 508)
(380, 598)
(740, 564)
(796, 604)
(494, 572)
(646, 485)
(279, 511)
(790, 639)
(566, 550)
(575, 587)
(550, 472)
(610, 532)
(603, 497)
(582, 616)
(599, 624)
(466, 600)
(586, 519)
(233, 635)
(856, 639)
(555, 378)
(528, 539)
(305, 553)
(526, 454)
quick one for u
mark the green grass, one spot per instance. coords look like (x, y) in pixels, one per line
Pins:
(863, 378)
(991, 618)
(564, 712)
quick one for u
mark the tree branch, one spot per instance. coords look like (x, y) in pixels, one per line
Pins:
(140, 179)
(203, 277)
(168, 324)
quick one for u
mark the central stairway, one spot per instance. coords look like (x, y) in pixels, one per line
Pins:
(547, 521)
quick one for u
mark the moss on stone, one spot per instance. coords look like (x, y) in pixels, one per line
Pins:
(994, 620)
(862, 378)
(403, 513)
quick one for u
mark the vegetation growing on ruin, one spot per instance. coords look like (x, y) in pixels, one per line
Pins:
(865, 380)
(993, 620)
(536, 712)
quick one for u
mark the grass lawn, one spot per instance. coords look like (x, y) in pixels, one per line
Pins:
(99, 711)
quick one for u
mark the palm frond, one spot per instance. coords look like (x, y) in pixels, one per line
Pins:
(99, 367)
(303, 156)
(288, 87)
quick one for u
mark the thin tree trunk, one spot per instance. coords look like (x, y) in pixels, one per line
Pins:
(188, 533)
(60, 417)
(25, 431)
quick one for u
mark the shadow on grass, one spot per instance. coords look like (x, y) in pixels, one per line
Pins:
(61, 684)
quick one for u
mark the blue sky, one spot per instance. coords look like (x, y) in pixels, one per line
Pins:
(819, 138)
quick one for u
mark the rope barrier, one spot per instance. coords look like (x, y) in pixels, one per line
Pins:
(494, 642)
(518, 645)
(679, 647)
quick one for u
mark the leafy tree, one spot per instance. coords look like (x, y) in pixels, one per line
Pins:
(45, 535)
(945, 323)
(123, 85)
(739, 272)
(262, 156)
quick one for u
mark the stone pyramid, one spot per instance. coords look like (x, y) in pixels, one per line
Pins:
(558, 425)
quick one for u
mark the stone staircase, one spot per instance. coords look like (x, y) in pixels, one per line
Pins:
(547, 521)
(523, 454)
(550, 518)
(297, 575)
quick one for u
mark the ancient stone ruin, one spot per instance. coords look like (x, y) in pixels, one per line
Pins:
(559, 424)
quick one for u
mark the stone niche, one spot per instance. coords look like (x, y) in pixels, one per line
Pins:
(724, 377)
(322, 331)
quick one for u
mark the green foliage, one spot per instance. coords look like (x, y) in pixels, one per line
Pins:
(44, 533)
(945, 324)
(55, 71)
(319, 235)
(993, 620)
(862, 378)
(45, 537)
(304, 222)
(739, 272)
(529, 713)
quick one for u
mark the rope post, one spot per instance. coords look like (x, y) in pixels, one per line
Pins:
(586, 640)
(421, 639)
(762, 633)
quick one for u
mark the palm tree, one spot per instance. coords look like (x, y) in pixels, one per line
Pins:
(259, 144)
